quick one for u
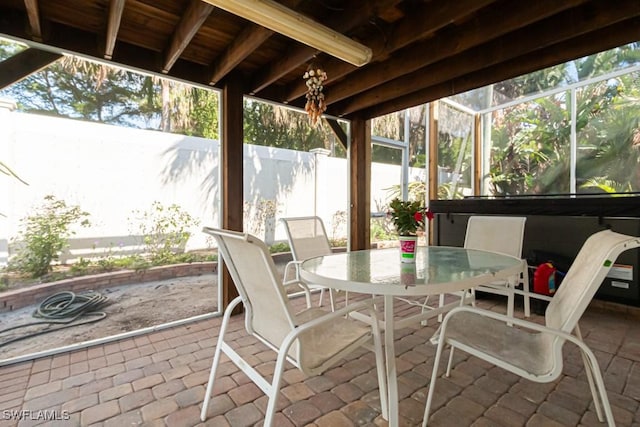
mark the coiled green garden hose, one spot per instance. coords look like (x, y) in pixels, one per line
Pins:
(63, 308)
(67, 305)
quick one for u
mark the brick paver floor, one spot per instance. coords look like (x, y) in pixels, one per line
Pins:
(158, 379)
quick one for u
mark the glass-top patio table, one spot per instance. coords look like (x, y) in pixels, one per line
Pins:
(437, 270)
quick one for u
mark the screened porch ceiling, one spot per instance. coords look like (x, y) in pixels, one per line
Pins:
(422, 50)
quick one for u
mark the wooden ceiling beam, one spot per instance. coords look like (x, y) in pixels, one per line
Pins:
(145, 59)
(422, 22)
(23, 64)
(193, 18)
(599, 41)
(338, 132)
(454, 41)
(343, 23)
(33, 13)
(273, 72)
(85, 43)
(242, 46)
(559, 28)
(116, 7)
(442, 72)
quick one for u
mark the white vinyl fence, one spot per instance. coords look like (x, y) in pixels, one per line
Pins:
(116, 173)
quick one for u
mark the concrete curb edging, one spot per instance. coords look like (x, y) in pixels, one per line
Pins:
(35, 294)
(18, 298)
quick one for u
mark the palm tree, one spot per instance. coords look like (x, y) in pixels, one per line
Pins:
(531, 142)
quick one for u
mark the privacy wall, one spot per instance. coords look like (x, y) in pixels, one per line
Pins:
(116, 173)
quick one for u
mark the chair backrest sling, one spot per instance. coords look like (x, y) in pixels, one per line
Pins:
(307, 237)
(590, 267)
(268, 313)
(503, 234)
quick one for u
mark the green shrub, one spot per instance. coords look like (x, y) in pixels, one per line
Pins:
(4, 282)
(380, 230)
(44, 235)
(338, 243)
(106, 264)
(279, 247)
(81, 266)
(131, 262)
(165, 231)
(191, 257)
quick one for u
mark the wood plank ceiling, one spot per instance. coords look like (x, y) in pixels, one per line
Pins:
(422, 49)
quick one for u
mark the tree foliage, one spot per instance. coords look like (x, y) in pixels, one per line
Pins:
(78, 89)
(531, 142)
(88, 91)
(392, 126)
(281, 127)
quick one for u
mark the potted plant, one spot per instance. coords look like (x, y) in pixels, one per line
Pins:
(408, 218)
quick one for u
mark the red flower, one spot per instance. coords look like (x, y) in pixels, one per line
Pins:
(429, 215)
(408, 216)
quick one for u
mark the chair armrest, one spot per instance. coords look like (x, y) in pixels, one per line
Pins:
(522, 277)
(367, 304)
(297, 269)
(298, 282)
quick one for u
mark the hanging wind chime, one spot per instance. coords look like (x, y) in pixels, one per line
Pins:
(315, 106)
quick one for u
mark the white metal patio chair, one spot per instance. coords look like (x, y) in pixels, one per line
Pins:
(307, 238)
(531, 350)
(503, 234)
(312, 340)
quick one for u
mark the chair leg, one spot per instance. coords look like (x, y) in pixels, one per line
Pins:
(216, 357)
(525, 290)
(463, 301)
(510, 301)
(275, 387)
(212, 374)
(331, 300)
(307, 293)
(591, 365)
(432, 384)
(440, 304)
(526, 300)
(527, 305)
(589, 370)
(592, 386)
(468, 295)
(307, 297)
(321, 297)
(423, 309)
(448, 373)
